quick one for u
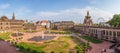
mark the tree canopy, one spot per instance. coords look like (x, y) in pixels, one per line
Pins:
(115, 21)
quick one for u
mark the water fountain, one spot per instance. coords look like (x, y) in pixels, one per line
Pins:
(42, 34)
(17, 32)
(42, 37)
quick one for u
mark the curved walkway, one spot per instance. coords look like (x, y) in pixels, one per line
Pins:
(97, 48)
(6, 47)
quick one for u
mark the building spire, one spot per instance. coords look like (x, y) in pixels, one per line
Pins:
(88, 13)
(13, 17)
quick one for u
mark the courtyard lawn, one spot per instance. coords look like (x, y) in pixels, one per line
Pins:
(27, 31)
(5, 36)
(60, 32)
(93, 40)
(63, 44)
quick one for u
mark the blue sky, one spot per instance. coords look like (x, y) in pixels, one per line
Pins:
(57, 10)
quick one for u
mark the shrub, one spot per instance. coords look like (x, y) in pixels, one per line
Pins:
(81, 47)
(93, 40)
(77, 51)
(34, 51)
(28, 49)
(42, 52)
(52, 52)
(21, 48)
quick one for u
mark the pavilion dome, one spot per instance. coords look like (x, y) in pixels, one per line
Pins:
(4, 18)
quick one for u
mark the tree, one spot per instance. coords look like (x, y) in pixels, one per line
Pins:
(34, 51)
(28, 49)
(115, 21)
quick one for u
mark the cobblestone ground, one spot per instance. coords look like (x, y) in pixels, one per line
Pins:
(6, 47)
(97, 48)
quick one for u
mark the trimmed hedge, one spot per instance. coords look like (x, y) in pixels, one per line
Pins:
(93, 40)
(61, 32)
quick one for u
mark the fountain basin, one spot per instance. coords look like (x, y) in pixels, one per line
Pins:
(39, 38)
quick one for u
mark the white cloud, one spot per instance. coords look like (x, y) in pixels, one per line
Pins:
(22, 13)
(75, 14)
(4, 6)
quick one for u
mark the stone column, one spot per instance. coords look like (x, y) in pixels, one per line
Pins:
(116, 33)
(99, 34)
(104, 34)
(83, 29)
(95, 31)
(92, 31)
(108, 34)
(89, 30)
(111, 35)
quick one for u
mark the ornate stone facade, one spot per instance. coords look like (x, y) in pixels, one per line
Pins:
(29, 26)
(88, 20)
(8, 24)
(65, 25)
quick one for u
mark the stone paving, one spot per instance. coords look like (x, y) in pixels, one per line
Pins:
(6, 47)
(97, 48)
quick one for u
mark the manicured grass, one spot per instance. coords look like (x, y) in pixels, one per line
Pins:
(93, 40)
(63, 44)
(5, 35)
(60, 32)
(53, 45)
(30, 47)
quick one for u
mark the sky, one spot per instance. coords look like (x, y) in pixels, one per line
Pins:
(60, 10)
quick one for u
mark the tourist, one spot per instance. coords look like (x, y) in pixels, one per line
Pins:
(103, 50)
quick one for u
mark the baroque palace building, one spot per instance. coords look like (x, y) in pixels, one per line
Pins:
(11, 24)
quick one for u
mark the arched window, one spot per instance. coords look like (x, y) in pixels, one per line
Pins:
(1, 23)
(6, 23)
(1, 28)
(7, 27)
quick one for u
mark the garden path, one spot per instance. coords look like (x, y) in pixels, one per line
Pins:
(6, 47)
(97, 48)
